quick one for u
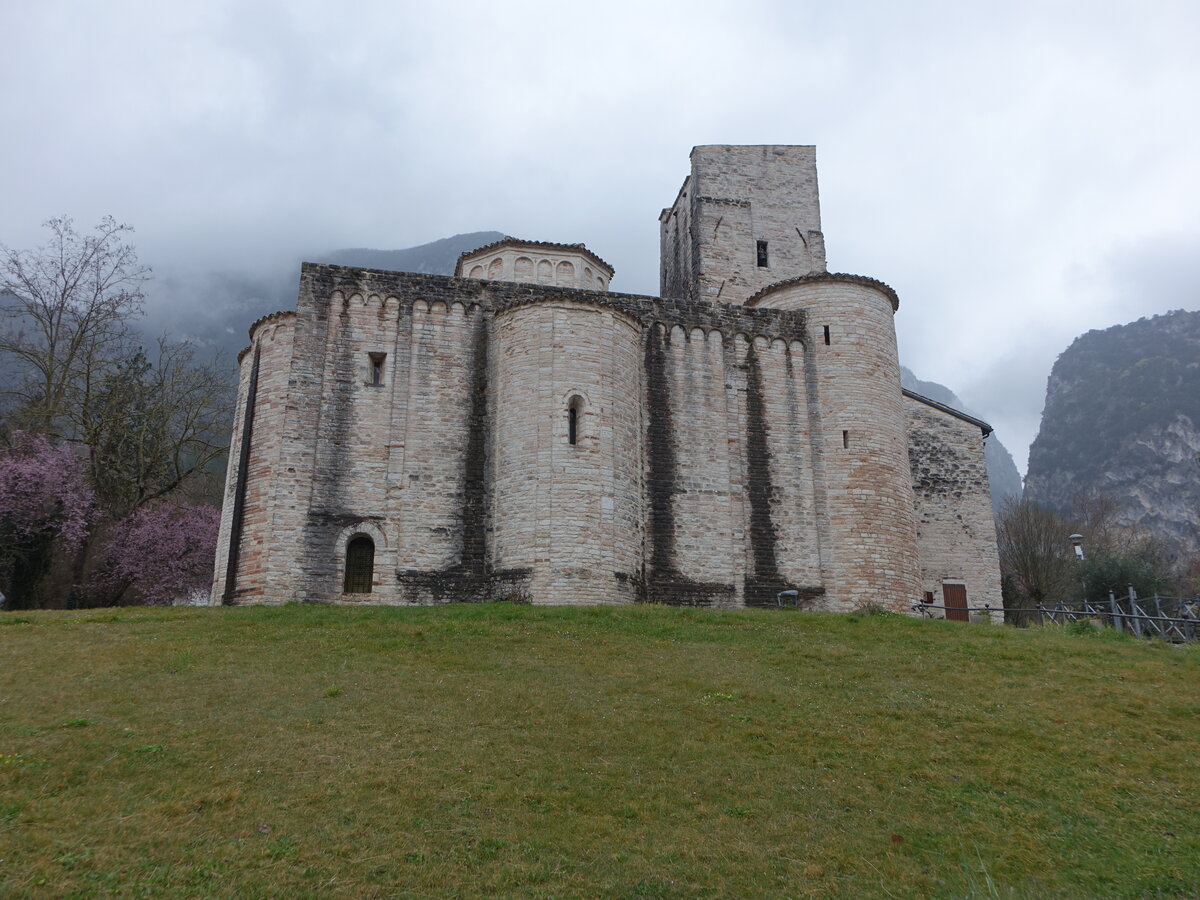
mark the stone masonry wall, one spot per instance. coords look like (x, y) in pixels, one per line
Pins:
(227, 563)
(727, 434)
(531, 263)
(956, 532)
(695, 409)
(570, 513)
(864, 491)
(711, 467)
(677, 247)
(416, 461)
(743, 436)
(250, 500)
(735, 198)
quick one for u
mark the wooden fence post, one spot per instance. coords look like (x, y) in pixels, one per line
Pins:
(1137, 622)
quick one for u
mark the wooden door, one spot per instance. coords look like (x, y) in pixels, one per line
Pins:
(955, 596)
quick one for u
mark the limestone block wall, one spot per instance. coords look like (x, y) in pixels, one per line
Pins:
(738, 201)
(537, 262)
(744, 434)
(865, 501)
(303, 561)
(710, 468)
(730, 495)
(387, 439)
(694, 410)
(338, 439)
(569, 512)
(244, 545)
(437, 433)
(677, 247)
(956, 532)
(226, 564)
(778, 366)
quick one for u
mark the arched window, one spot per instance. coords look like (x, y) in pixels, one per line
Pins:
(360, 565)
(574, 407)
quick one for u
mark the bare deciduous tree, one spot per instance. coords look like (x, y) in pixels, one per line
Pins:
(66, 316)
(1035, 553)
(154, 425)
(149, 423)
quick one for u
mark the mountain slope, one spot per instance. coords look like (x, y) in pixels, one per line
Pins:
(1122, 418)
(214, 310)
(435, 258)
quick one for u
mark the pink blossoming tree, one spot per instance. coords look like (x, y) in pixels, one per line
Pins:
(161, 553)
(44, 500)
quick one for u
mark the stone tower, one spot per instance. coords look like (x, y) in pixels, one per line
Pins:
(746, 229)
(745, 218)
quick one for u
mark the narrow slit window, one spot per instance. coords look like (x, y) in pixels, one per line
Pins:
(845, 440)
(826, 335)
(762, 254)
(377, 367)
(574, 420)
(360, 565)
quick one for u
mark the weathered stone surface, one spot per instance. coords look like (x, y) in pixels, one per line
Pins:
(515, 439)
(956, 533)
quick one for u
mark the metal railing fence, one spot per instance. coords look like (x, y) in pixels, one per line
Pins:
(1174, 619)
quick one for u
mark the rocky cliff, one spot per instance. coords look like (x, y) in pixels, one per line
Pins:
(1122, 418)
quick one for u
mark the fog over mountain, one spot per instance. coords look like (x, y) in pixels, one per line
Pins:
(436, 258)
(214, 310)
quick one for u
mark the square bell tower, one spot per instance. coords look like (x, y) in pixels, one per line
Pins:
(746, 217)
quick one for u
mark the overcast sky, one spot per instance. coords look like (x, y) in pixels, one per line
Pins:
(1019, 172)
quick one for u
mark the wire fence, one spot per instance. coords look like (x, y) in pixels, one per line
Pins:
(1174, 619)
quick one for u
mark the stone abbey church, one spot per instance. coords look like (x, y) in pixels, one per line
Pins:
(520, 432)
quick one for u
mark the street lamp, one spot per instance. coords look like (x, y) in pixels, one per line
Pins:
(1077, 543)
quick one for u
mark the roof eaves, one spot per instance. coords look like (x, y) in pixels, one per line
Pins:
(949, 410)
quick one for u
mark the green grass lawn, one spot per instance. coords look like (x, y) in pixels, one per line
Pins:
(623, 752)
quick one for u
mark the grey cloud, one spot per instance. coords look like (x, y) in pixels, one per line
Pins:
(1020, 172)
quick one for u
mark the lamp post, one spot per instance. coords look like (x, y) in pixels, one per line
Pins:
(1077, 543)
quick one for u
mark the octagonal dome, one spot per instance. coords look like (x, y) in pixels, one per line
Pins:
(537, 262)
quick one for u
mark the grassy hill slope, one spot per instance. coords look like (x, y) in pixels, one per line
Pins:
(506, 750)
